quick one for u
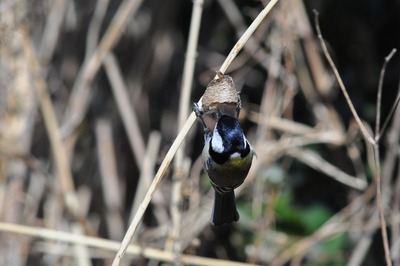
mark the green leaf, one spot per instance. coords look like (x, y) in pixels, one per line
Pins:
(299, 220)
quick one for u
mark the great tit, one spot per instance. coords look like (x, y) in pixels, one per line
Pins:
(227, 157)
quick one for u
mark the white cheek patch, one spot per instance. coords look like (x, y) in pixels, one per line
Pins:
(235, 155)
(244, 141)
(216, 142)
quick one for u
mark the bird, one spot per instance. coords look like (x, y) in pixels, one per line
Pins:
(227, 158)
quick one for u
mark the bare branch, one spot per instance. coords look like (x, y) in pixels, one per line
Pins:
(364, 131)
(379, 131)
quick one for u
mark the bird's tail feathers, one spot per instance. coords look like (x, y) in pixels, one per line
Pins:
(224, 209)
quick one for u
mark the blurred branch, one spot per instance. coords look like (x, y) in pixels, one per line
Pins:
(52, 30)
(150, 253)
(57, 145)
(94, 27)
(109, 177)
(50, 121)
(79, 99)
(315, 161)
(125, 108)
(147, 173)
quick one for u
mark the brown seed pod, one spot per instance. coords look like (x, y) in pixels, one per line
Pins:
(221, 95)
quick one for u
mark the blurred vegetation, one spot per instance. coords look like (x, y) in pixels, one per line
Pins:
(310, 197)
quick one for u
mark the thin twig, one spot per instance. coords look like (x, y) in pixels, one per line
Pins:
(391, 113)
(391, 160)
(379, 96)
(364, 131)
(380, 131)
(373, 141)
(377, 165)
(380, 204)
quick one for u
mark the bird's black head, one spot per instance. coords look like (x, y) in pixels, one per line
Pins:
(227, 139)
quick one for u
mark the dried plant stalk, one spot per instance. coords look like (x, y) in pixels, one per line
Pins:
(181, 136)
(373, 141)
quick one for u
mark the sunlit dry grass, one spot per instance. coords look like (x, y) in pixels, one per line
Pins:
(89, 117)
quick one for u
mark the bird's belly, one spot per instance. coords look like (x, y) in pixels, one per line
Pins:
(228, 175)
